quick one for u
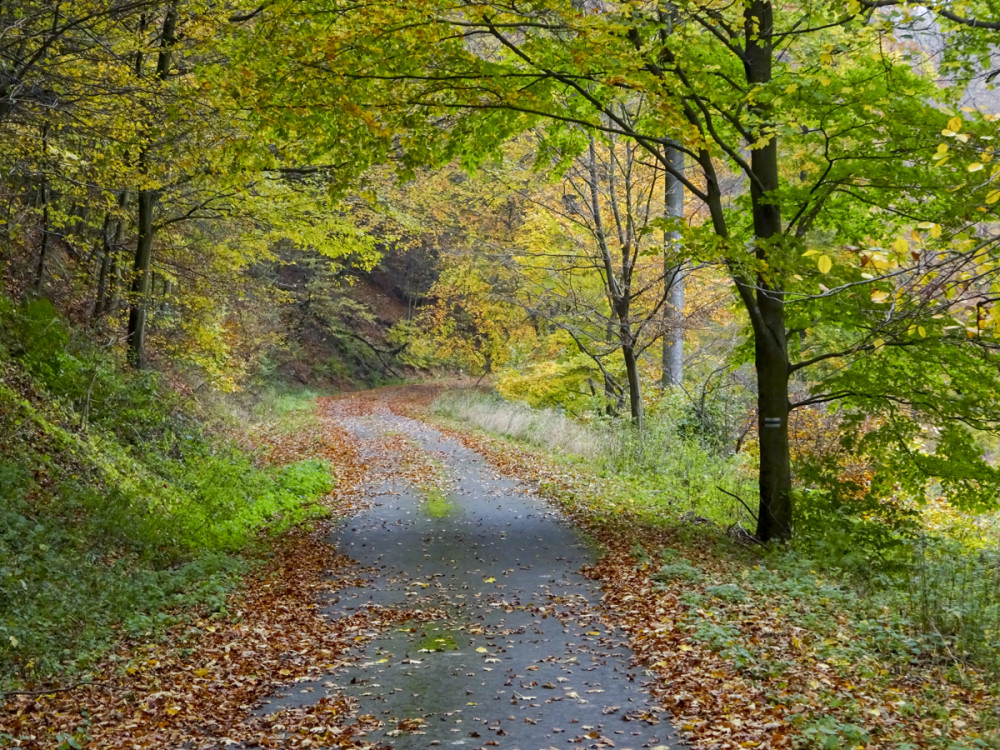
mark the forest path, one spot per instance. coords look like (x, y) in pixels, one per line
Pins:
(506, 647)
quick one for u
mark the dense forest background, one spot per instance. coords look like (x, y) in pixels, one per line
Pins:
(741, 258)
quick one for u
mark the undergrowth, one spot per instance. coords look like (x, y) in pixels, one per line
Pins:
(120, 510)
(668, 470)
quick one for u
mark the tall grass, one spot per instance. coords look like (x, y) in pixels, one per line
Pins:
(544, 428)
(668, 469)
(953, 596)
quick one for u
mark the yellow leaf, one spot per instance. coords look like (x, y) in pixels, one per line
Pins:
(824, 264)
(482, 650)
(878, 343)
(936, 231)
(975, 166)
(955, 123)
(878, 296)
(901, 245)
(922, 331)
(993, 197)
(491, 579)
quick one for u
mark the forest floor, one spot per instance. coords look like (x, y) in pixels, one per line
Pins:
(447, 603)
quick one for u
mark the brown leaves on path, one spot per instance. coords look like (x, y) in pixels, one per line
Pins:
(198, 685)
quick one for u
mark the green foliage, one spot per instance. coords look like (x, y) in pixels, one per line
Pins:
(828, 733)
(566, 382)
(119, 510)
(729, 592)
(857, 533)
(678, 570)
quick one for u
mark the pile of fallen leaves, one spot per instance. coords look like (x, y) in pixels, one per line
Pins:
(199, 684)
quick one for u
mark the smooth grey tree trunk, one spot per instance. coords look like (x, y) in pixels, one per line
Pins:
(673, 275)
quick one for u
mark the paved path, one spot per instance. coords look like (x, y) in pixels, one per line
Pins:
(521, 660)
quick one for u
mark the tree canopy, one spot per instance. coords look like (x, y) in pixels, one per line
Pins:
(835, 161)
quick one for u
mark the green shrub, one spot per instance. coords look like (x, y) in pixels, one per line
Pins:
(952, 599)
(728, 592)
(858, 535)
(119, 509)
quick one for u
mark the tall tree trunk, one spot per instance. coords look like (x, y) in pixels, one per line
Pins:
(102, 277)
(141, 279)
(111, 240)
(114, 272)
(775, 480)
(673, 274)
(770, 345)
(42, 202)
(617, 295)
(43, 249)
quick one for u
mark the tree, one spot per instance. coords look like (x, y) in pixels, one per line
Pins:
(822, 110)
(591, 268)
(141, 269)
(134, 197)
(674, 274)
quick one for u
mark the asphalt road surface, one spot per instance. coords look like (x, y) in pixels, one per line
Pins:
(520, 660)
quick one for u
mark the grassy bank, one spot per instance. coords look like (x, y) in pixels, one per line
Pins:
(121, 511)
(668, 472)
(852, 636)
